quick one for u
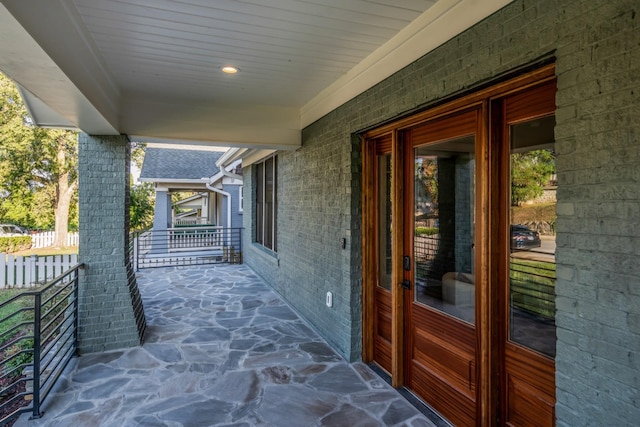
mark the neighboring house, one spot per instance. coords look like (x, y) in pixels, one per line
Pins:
(174, 170)
(190, 211)
(339, 112)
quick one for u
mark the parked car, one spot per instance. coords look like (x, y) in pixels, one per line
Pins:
(10, 230)
(522, 237)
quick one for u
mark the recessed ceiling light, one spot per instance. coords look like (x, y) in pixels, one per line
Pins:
(228, 69)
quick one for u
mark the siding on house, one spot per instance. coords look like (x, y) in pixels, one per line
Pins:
(236, 215)
(596, 46)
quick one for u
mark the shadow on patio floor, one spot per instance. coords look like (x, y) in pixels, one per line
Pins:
(222, 349)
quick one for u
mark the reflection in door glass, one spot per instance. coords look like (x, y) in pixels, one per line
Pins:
(384, 221)
(444, 228)
(532, 267)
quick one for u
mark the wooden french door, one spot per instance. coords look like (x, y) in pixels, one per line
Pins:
(440, 280)
(459, 254)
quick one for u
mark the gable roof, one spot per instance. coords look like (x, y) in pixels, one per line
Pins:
(167, 164)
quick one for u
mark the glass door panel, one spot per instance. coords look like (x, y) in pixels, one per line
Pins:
(444, 227)
(384, 220)
(381, 250)
(532, 267)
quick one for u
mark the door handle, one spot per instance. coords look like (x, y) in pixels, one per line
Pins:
(406, 284)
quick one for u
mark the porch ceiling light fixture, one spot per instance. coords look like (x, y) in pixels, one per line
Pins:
(229, 69)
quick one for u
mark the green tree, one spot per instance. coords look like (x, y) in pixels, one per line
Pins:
(142, 195)
(530, 172)
(426, 184)
(141, 205)
(137, 153)
(38, 168)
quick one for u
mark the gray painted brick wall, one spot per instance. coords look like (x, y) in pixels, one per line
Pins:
(598, 143)
(106, 316)
(596, 44)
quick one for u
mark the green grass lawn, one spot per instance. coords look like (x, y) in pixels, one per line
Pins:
(48, 251)
(20, 303)
(13, 307)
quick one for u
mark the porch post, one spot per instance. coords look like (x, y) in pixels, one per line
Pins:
(161, 221)
(162, 211)
(108, 291)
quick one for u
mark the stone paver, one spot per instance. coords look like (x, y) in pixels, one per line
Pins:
(222, 349)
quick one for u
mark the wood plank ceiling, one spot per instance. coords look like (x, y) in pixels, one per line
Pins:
(151, 69)
(287, 50)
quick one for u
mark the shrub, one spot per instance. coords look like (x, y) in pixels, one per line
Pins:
(426, 231)
(15, 243)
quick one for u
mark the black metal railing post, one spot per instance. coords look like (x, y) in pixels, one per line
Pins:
(76, 296)
(37, 343)
(136, 250)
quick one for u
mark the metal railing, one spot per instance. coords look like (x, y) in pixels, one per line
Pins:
(134, 291)
(186, 246)
(38, 338)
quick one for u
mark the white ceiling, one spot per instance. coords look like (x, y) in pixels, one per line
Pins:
(151, 68)
(287, 52)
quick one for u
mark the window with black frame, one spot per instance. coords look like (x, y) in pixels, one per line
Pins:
(266, 203)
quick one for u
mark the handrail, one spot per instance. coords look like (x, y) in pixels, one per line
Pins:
(186, 246)
(53, 311)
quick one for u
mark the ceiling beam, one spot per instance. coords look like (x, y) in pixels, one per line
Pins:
(206, 123)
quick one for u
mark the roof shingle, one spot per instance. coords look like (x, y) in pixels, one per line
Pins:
(169, 163)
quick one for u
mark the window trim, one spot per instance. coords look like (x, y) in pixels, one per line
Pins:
(265, 234)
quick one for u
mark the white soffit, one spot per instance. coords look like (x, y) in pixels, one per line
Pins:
(36, 73)
(440, 23)
(47, 117)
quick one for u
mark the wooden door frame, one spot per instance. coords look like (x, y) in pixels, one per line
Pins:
(369, 255)
(397, 251)
(487, 215)
(368, 249)
(518, 108)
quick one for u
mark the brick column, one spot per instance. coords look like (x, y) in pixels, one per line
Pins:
(108, 291)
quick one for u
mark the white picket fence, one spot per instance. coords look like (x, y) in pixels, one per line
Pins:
(30, 271)
(46, 238)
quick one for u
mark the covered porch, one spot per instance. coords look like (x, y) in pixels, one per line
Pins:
(221, 348)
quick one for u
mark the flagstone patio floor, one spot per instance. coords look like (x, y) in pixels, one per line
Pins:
(222, 349)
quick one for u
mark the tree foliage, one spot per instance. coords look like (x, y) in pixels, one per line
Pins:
(141, 205)
(530, 172)
(137, 153)
(38, 168)
(426, 185)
